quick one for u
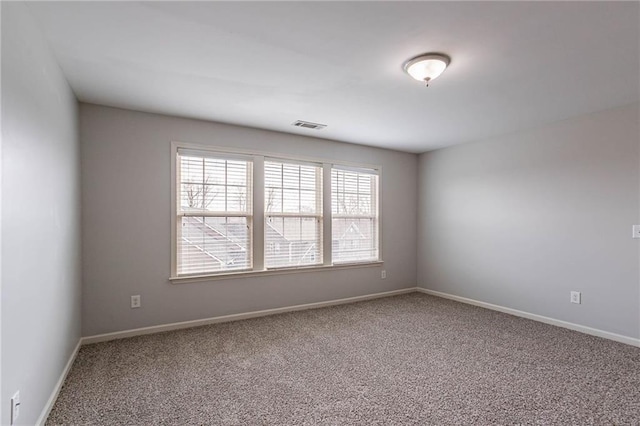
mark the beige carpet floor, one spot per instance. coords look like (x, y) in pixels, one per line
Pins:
(411, 359)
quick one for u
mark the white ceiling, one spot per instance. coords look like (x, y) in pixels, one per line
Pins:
(515, 65)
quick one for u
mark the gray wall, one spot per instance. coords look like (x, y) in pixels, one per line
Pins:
(126, 223)
(41, 289)
(521, 220)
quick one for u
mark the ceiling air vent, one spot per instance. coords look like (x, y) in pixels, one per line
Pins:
(308, 125)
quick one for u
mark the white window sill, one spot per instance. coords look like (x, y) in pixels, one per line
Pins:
(282, 271)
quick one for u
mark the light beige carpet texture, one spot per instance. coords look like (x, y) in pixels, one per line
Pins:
(404, 360)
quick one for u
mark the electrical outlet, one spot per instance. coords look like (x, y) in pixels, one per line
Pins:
(383, 274)
(635, 231)
(575, 297)
(15, 407)
(135, 301)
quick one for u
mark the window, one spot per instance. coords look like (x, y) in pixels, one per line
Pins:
(214, 214)
(293, 214)
(244, 213)
(354, 221)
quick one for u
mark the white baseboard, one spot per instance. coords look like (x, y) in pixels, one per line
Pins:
(547, 320)
(255, 314)
(235, 317)
(56, 390)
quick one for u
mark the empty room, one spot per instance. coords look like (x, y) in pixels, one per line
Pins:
(333, 213)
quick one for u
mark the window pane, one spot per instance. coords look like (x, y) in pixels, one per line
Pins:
(237, 173)
(364, 204)
(214, 198)
(355, 221)
(207, 244)
(191, 170)
(273, 199)
(308, 202)
(214, 214)
(292, 189)
(308, 176)
(191, 197)
(290, 176)
(236, 198)
(291, 200)
(364, 184)
(214, 171)
(214, 185)
(292, 241)
(272, 175)
(354, 240)
(213, 244)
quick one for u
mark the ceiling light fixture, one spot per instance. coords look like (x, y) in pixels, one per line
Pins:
(426, 67)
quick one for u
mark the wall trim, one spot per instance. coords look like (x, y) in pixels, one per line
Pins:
(282, 271)
(236, 317)
(540, 318)
(316, 305)
(56, 390)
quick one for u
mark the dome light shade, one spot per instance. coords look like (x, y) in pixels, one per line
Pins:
(426, 67)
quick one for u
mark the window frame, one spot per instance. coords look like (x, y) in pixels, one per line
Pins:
(259, 214)
(247, 213)
(318, 216)
(375, 211)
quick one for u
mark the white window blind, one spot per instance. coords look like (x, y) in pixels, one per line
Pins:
(293, 214)
(214, 213)
(354, 220)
